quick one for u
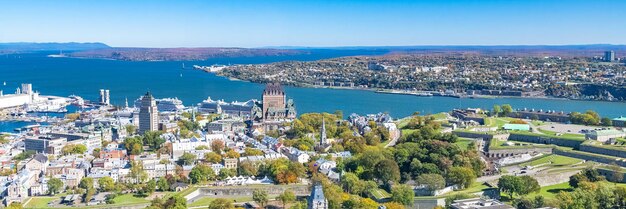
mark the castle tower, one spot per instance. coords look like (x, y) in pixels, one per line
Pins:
(273, 101)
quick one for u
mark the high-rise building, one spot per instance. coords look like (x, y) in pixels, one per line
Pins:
(275, 103)
(107, 98)
(609, 56)
(148, 114)
(104, 97)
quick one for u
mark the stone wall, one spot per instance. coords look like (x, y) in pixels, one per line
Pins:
(501, 153)
(244, 191)
(428, 203)
(603, 151)
(590, 156)
(545, 140)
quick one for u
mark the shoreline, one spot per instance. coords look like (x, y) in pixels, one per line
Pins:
(390, 91)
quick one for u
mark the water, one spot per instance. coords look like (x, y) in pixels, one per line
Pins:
(84, 77)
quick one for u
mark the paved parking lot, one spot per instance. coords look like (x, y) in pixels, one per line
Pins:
(566, 128)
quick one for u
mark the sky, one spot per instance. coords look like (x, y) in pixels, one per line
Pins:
(315, 23)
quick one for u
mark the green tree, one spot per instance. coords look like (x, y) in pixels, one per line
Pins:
(153, 139)
(286, 197)
(616, 173)
(432, 181)
(506, 109)
(462, 176)
(225, 173)
(163, 184)
(187, 159)
(496, 110)
(388, 171)
(402, 194)
(509, 185)
(148, 188)
(54, 186)
(134, 145)
(137, 174)
(201, 173)
(260, 196)
(221, 203)
(130, 129)
(606, 121)
(106, 184)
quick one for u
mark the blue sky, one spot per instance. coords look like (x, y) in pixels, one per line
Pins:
(256, 23)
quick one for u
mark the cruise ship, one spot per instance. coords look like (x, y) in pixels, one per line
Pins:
(241, 109)
(165, 104)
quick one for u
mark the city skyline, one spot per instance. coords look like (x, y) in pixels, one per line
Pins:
(314, 24)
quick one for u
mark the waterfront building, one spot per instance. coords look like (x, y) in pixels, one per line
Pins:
(23, 96)
(604, 135)
(148, 114)
(609, 56)
(104, 97)
(619, 122)
(275, 103)
(317, 200)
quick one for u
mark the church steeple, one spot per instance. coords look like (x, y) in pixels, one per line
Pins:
(323, 140)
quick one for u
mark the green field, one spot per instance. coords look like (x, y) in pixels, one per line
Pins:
(205, 201)
(380, 194)
(557, 160)
(40, 202)
(549, 192)
(463, 143)
(554, 133)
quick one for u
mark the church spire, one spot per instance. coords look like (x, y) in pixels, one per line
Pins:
(323, 140)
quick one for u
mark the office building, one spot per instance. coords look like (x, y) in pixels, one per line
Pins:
(148, 114)
(609, 56)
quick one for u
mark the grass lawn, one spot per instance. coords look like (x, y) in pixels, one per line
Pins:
(554, 133)
(129, 199)
(475, 187)
(380, 193)
(205, 201)
(463, 143)
(40, 202)
(549, 192)
(557, 160)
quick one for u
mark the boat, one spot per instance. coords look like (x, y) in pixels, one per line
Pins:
(166, 104)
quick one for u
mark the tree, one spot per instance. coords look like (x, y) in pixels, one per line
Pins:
(153, 139)
(260, 196)
(509, 185)
(403, 194)
(247, 168)
(212, 157)
(148, 188)
(137, 174)
(286, 197)
(106, 184)
(202, 147)
(74, 149)
(432, 181)
(393, 205)
(201, 173)
(462, 176)
(606, 121)
(130, 129)
(506, 109)
(496, 110)
(232, 154)
(528, 185)
(175, 202)
(221, 203)
(87, 184)
(134, 145)
(252, 152)
(54, 186)
(217, 146)
(388, 171)
(225, 173)
(187, 159)
(163, 184)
